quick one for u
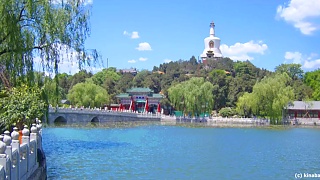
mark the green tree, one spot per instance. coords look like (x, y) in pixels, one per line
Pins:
(293, 70)
(193, 60)
(125, 82)
(43, 28)
(223, 63)
(245, 104)
(301, 90)
(269, 98)
(226, 112)
(138, 80)
(88, 94)
(79, 77)
(110, 82)
(21, 105)
(152, 81)
(53, 98)
(220, 80)
(64, 83)
(312, 79)
(192, 96)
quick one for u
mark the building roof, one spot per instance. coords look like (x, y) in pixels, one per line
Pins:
(157, 95)
(115, 105)
(304, 105)
(65, 101)
(146, 90)
(122, 95)
(131, 70)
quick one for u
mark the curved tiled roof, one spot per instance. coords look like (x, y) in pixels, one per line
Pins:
(310, 105)
(139, 90)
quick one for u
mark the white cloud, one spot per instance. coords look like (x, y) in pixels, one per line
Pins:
(311, 64)
(69, 67)
(307, 62)
(295, 56)
(132, 61)
(133, 35)
(88, 2)
(241, 51)
(167, 60)
(143, 59)
(300, 13)
(144, 47)
(68, 62)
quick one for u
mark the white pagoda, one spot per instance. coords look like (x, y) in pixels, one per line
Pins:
(211, 46)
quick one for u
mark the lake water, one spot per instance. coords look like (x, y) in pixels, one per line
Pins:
(176, 152)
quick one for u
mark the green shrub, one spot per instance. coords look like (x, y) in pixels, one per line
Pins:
(226, 112)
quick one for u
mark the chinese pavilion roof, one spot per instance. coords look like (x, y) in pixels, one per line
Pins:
(157, 95)
(144, 90)
(301, 105)
(123, 95)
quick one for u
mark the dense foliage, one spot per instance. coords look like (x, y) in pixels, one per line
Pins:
(269, 98)
(312, 79)
(227, 112)
(229, 85)
(42, 31)
(302, 90)
(39, 34)
(192, 96)
(88, 94)
(21, 105)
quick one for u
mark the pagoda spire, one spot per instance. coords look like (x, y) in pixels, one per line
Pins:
(212, 24)
(212, 28)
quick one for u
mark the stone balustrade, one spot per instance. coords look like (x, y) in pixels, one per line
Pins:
(84, 110)
(19, 159)
(85, 115)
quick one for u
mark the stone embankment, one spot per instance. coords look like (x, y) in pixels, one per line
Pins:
(22, 157)
(239, 122)
(218, 121)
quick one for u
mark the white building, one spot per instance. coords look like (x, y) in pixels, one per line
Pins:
(211, 46)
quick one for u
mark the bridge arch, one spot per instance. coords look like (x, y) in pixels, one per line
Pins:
(95, 120)
(60, 120)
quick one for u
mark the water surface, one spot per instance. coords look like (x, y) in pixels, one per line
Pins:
(175, 152)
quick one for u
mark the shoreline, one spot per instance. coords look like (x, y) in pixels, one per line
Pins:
(130, 124)
(221, 122)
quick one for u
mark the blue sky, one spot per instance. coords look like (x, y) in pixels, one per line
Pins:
(143, 33)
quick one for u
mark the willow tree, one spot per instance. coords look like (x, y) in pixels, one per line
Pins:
(44, 31)
(192, 96)
(244, 107)
(49, 89)
(269, 98)
(88, 94)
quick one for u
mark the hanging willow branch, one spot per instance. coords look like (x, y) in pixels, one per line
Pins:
(46, 32)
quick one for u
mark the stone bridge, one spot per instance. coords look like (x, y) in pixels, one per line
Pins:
(77, 115)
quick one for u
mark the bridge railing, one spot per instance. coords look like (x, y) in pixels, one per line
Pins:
(18, 159)
(102, 111)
